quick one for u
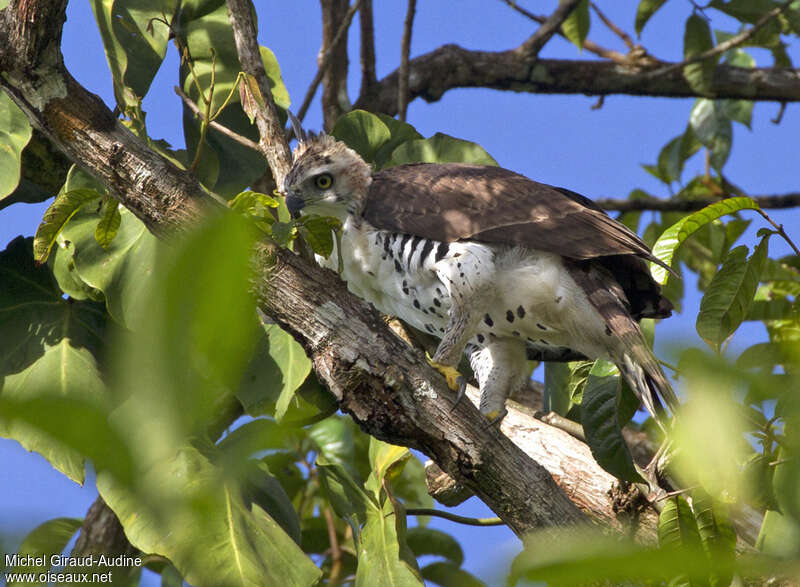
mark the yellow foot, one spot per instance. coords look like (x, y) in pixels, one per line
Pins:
(454, 379)
(495, 416)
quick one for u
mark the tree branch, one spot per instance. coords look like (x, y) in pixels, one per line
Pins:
(368, 75)
(405, 50)
(242, 140)
(271, 143)
(451, 66)
(530, 48)
(789, 200)
(336, 19)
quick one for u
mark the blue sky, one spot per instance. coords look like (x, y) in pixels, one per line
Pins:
(554, 139)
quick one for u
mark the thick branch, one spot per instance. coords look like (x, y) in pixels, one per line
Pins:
(779, 201)
(368, 75)
(335, 22)
(451, 66)
(271, 143)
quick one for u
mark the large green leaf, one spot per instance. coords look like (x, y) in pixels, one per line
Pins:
(261, 488)
(729, 296)
(711, 122)
(671, 239)
(363, 132)
(15, 132)
(46, 539)
(677, 526)
(122, 272)
(601, 423)
(197, 519)
(576, 27)
(441, 148)
(447, 574)
(47, 346)
(135, 42)
(334, 440)
(696, 40)
(645, 10)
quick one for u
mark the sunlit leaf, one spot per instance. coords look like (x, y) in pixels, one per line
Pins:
(645, 10)
(363, 132)
(671, 239)
(441, 148)
(15, 132)
(109, 223)
(318, 232)
(729, 296)
(716, 534)
(576, 27)
(334, 440)
(48, 345)
(65, 206)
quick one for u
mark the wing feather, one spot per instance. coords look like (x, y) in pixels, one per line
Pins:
(452, 201)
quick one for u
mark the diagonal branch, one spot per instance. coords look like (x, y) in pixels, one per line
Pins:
(530, 48)
(779, 201)
(405, 50)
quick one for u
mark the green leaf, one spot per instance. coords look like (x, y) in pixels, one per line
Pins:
(363, 132)
(576, 27)
(284, 372)
(696, 40)
(711, 123)
(645, 10)
(15, 132)
(400, 133)
(318, 232)
(677, 527)
(671, 239)
(786, 481)
(262, 488)
(346, 496)
(47, 539)
(730, 294)
(280, 95)
(556, 392)
(441, 148)
(601, 424)
(334, 440)
(716, 534)
(410, 486)
(65, 206)
(109, 223)
(779, 535)
(48, 346)
(427, 541)
(122, 272)
(448, 574)
(135, 44)
(196, 517)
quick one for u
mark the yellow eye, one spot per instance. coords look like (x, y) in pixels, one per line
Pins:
(323, 181)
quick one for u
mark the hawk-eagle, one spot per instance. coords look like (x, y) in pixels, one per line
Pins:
(492, 263)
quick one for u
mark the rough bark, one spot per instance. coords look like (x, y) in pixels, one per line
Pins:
(335, 101)
(451, 66)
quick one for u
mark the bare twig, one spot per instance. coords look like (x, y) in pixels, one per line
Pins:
(455, 517)
(780, 201)
(550, 27)
(272, 143)
(368, 75)
(625, 37)
(779, 229)
(588, 45)
(779, 115)
(725, 45)
(242, 140)
(405, 49)
(336, 552)
(326, 59)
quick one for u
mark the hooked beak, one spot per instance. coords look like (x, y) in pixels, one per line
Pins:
(294, 204)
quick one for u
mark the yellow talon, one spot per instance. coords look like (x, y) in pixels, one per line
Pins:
(493, 415)
(451, 374)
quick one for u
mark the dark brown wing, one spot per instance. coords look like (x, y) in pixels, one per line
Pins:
(452, 201)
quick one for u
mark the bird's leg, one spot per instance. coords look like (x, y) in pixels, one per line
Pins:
(500, 367)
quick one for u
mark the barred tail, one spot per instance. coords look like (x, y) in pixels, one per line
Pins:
(641, 370)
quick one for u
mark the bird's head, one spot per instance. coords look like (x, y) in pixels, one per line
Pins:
(327, 178)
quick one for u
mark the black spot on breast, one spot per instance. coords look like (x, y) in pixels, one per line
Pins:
(429, 328)
(509, 315)
(481, 338)
(436, 302)
(558, 299)
(416, 304)
(488, 320)
(515, 333)
(461, 275)
(441, 250)
(521, 312)
(426, 250)
(458, 265)
(438, 291)
(397, 266)
(370, 273)
(403, 242)
(432, 309)
(405, 290)
(608, 331)
(386, 243)
(544, 342)
(540, 326)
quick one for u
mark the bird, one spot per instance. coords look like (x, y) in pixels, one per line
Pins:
(497, 266)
